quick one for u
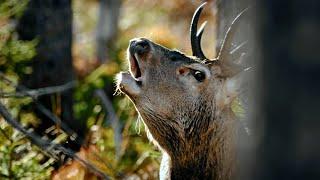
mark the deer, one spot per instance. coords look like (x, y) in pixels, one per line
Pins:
(185, 103)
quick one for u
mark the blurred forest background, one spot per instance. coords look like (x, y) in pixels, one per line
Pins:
(60, 118)
(58, 60)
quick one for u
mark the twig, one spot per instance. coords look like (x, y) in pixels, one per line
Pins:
(58, 121)
(238, 47)
(35, 93)
(113, 119)
(43, 109)
(43, 91)
(5, 135)
(46, 145)
(8, 118)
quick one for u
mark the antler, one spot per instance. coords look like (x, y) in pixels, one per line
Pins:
(227, 41)
(195, 35)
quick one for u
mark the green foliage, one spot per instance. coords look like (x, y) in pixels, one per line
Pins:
(85, 101)
(19, 159)
(14, 54)
(12, 8)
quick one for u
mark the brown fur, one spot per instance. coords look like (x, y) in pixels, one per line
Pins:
(190, 121)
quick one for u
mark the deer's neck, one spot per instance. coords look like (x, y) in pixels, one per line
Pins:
(211, 156)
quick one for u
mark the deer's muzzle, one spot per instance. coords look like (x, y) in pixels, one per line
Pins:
(130, 83)
(137, 51)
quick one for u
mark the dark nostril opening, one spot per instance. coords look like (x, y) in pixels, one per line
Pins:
(143, 44)
(139, 46)
(132, 42)
(142, 47)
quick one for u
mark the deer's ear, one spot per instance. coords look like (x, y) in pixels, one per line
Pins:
(229, 68)
(232, 87)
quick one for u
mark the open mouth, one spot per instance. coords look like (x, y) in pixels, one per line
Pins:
(134, 67)
(137, 52)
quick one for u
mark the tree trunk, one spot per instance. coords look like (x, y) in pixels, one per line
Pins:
(50, 21)
(243, 44)
(107, 28)
(289, 79)
(242, 53)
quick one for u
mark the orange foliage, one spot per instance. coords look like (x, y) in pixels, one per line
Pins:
(83, 67)
(75, 170)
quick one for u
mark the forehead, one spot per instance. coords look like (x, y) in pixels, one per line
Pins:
(177, 56)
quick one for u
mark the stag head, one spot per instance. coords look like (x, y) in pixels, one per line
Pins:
(184, 101)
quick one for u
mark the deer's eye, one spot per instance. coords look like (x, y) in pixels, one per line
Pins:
(199, 76)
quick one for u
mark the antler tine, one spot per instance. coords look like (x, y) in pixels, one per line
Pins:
(195, 36)
(227, 41)
(198, 42)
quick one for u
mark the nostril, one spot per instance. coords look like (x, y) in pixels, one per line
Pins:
(141, 46)
(132, 42)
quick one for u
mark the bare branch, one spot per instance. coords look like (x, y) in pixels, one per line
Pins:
(9, 119)
(43, 109)
(112, 117)
(46, 145)
(35, 93)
